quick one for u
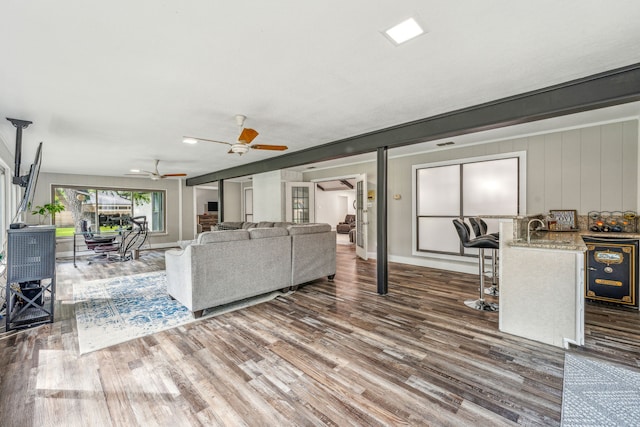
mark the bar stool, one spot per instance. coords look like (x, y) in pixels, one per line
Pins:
(481, 243)
(480, 230)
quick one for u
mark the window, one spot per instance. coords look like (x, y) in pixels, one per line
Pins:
(107, 208)
(300, 205)
(480, 187)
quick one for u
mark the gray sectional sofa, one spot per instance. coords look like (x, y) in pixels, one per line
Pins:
(229, 265)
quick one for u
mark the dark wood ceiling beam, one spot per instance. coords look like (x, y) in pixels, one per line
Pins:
(347, 183)
(601, 90)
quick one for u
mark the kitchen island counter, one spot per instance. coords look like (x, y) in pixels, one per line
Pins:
(542, 286)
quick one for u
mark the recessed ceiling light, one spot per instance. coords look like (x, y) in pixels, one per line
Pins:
(404, 31)
(188, 140)
(135, 170)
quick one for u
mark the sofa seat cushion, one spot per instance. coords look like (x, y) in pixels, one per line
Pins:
(263, 233)
(223, 236)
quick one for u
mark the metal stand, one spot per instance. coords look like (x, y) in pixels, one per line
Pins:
(480, 303)
(31, 276)
(493, 289)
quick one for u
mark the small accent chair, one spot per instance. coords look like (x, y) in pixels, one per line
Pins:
(480, 230)
(480, 243)
(347, 225)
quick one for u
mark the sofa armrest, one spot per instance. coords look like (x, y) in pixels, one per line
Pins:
(179, 275)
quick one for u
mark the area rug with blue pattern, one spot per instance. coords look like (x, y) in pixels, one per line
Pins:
(598, 393)
(112, 311)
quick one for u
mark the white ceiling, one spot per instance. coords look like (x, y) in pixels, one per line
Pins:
(113, 86)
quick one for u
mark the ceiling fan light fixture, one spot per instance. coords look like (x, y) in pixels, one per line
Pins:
(239, 148)
(189, 140)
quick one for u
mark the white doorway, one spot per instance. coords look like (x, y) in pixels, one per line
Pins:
(362, 216)
(248, 204)
(335, 200)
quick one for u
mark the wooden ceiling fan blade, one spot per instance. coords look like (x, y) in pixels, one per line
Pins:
(247, 135)
(175, 174)
(269, 147)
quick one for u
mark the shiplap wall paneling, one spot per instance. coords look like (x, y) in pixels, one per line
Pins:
(630, 166)
(506, 146)
(553, 172)
(571, 152)
(520, 144)
(536, 175)
(590, 170)
(611, 167)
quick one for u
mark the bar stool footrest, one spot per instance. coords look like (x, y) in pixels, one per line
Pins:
(493, 291)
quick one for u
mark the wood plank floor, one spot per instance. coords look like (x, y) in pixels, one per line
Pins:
(332, 353)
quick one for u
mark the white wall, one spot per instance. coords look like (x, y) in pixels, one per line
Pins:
(268, 197)
(232, 201)
(8, 191)
(269, 194)
(332, 206)
(204, 195)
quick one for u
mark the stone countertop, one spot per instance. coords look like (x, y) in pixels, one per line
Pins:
(568, 240)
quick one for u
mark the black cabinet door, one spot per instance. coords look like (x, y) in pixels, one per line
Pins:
(611, 271)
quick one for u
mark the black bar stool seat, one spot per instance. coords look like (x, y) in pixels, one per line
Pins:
(481, 243)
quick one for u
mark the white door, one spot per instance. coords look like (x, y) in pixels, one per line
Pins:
(248, 204)
(361, 216)
(300, 202)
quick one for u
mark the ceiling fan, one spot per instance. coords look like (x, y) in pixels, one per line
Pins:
(155, 175)
(241, 146)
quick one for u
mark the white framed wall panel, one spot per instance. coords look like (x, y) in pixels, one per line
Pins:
(571, 155)
(590, 170)
(630, 150)
(553, 170)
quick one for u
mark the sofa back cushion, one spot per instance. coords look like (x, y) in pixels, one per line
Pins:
(282, 224)
(308, 229)
(264, 224)
(248, 225)
(222, 236)
(262, 233)
(229, 225)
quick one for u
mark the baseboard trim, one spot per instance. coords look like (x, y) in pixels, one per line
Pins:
(464, 265)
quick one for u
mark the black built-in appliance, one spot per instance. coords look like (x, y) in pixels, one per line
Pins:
(610, 270)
